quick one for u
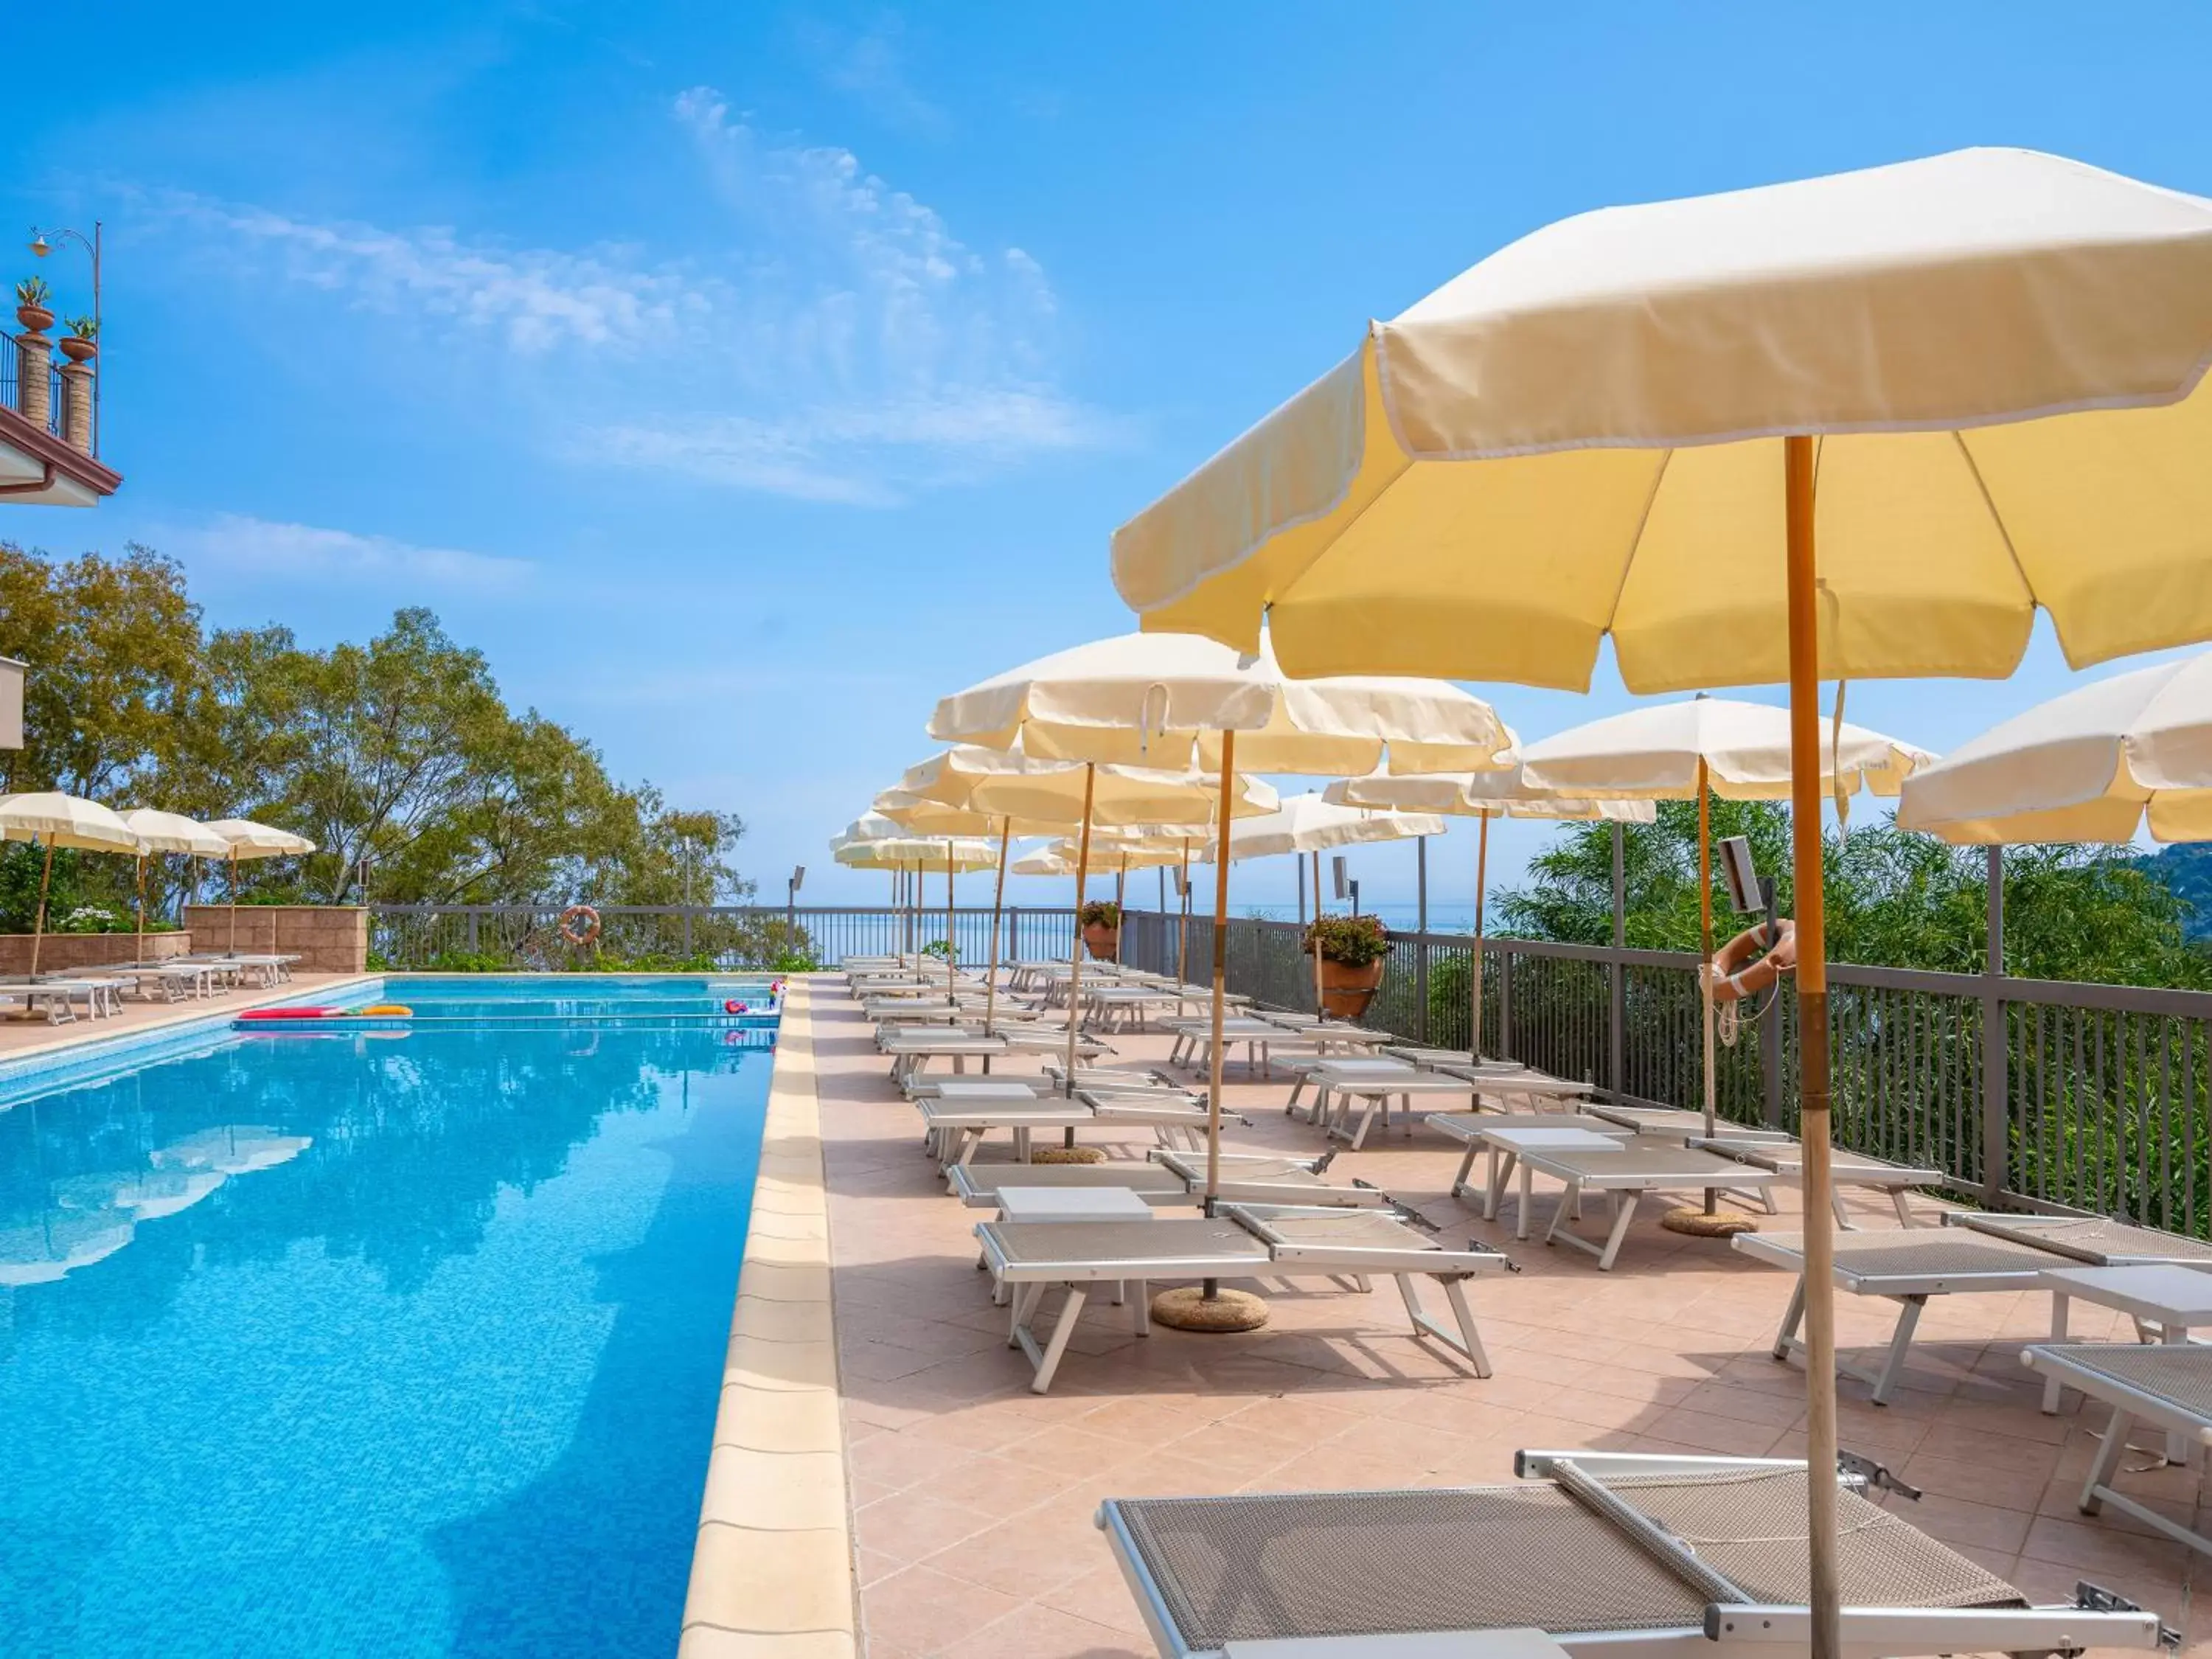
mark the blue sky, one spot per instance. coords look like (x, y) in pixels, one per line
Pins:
(741, 378)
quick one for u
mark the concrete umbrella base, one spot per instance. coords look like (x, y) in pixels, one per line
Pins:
(1189, 1308)
(1698, 1224)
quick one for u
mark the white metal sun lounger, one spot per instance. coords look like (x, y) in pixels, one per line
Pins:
(1521, 1089)
(1975, 1254)
(1344, 1089)
(911, 1048)
(1193, 1039)
(1048, 1083)
(1592, 1554)
(1625, 1174)
(952, 1131)
(1499, 1137)
(1301, 1068)
(2166, 1386)
(1240, 1241)
(1786, 1158)
(1175, 1180)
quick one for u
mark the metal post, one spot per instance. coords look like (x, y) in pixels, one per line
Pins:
(472, 931)
(1995, 1043)
(1421, 937)
(687, 929)
(1505, 1005)
(1770, 1059)
(1617, 1011)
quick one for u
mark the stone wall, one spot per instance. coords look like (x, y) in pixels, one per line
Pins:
(62, 953)
(328, 938)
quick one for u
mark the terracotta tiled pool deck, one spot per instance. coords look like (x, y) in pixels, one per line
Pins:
(972, 1497)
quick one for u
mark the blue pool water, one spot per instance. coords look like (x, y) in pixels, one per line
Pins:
(390, 1344)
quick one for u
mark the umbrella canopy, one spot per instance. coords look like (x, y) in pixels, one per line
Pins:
(1060, 858)
(1626, 379)
(1311, 823)
(1656, 753)
(1145, 699)
(1479, 795)
(1023, 786)
(249, 840)
(906, 852)
(1855, 427)
(2096, 764)
(170, 832)
(53, 819)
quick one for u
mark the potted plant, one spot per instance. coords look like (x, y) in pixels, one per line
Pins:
(1101, 921)
(82, 343)
(31, 295)
(1352, 952)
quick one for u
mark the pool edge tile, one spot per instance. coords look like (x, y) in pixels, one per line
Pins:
(769, 1580)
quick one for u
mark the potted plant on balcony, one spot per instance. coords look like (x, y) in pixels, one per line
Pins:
(1101, 921)
(31, 295)
(1352, 952)
(82, 343)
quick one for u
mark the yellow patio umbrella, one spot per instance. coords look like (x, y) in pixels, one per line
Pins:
(2098, 764)
(1991, 364)
(1481, 796)
(51, 819)
(167, 832)
(1706, 746)
(1141, 696)
(875, 843)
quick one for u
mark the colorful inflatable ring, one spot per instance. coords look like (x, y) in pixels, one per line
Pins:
(586, 934)
(734, 1006)
(291, 1013)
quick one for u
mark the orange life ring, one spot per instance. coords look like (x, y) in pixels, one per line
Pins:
(579, 936)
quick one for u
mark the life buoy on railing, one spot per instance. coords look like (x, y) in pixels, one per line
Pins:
(587, 932)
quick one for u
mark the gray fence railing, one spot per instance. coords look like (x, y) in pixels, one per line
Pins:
(2079, 1097)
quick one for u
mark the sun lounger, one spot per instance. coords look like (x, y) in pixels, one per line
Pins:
(1649, 1120)
(1591, 1554)
(1341, 1090)
(1174, 1180)
(2169, 1386)
(1625, 1174)
(953, 1131)
(1500, 1138)
(58, 996)
(911, 1048)
(1303, 1067)
(1522, 1089)
(1786, 1158)
(1242, 1241)
(174, 981)
(1975, 1254)
(1194, 1040)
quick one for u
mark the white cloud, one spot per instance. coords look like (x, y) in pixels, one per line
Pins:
(306, 552)
(842, 344)
(870, 69)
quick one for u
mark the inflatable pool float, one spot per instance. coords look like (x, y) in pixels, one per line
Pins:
(374, 1010)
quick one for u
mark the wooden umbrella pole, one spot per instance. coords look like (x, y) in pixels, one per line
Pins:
(1825, 1600)
(1182, 924)
(998, 903)
(233, 901)
(1474, 977)
(38, 930)
(1220, 980)
(1705, 951)
(952, 933)
(138, 944)
(1120, 905)
(1321, 1009)
(1075, 959)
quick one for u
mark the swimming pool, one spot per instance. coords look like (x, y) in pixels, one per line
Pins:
(389, 1343)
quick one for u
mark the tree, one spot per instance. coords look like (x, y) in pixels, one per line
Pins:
(1895, 898)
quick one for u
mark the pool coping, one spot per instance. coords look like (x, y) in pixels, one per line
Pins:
(772, 1574)
(84, 1040)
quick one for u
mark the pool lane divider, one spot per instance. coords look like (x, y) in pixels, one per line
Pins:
(772, 1574)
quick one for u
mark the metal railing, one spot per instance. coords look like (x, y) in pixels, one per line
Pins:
(2095, 1097)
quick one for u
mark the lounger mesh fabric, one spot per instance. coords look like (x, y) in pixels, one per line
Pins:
(1762, 1155)
(2181, 1374)
(1489, 1558)
(1241, 1168)
(1027, 1242)
(1353, 1229)
(1636, 1160)
(2097, 1240)
(1925, 1250)
(1137, 1178)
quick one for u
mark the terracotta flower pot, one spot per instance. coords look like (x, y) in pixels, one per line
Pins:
(78, 350)
(34, 318)
(1102, 942)
(1346, 991)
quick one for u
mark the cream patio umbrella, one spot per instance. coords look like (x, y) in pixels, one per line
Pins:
(1082, 795)
(1140, 695)
(51, 819)
(1708, 746)
(1481, 796)
(1990, 362)
(875, 843)
(249, 840)
(167, 832)
(2097, 764)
